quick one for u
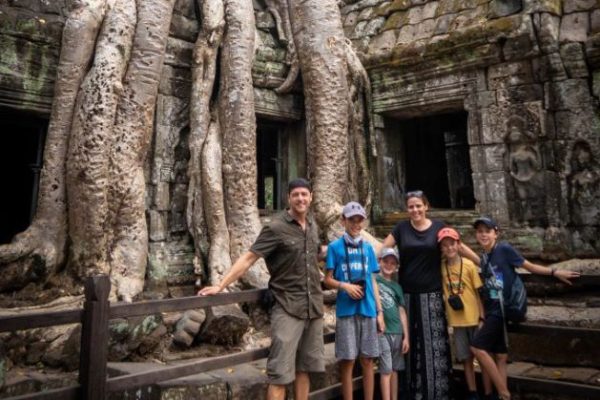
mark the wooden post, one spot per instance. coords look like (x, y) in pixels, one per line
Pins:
(94, 338)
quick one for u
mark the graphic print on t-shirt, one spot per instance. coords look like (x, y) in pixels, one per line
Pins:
(495, 282)
(454, 285)
(386, 295)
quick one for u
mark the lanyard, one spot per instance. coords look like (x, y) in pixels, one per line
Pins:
(348, 270)
(459, 277)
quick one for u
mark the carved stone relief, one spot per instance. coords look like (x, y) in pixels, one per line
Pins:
(584, 185)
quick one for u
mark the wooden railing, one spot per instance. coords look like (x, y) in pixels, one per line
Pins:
(97, 311)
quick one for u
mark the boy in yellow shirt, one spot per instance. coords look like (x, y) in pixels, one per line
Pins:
(464, 309)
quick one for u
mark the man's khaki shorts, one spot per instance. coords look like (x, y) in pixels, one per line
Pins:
(296, 346)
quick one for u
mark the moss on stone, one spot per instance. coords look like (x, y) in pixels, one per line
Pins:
(395, 21)
(400, 5)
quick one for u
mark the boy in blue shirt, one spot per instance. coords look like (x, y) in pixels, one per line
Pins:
(351, 267)
(498, 263)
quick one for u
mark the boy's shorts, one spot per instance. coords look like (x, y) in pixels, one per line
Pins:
(463, 336)
(356, 335)
(296, 345)
(490, 337)
(390, 357)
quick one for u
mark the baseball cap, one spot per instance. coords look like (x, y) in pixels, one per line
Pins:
(352, 209)
(487, 221)
(388, 251)
(447, 233)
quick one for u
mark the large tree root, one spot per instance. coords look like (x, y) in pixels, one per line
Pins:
(38, 252)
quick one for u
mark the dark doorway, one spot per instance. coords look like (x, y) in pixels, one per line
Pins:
(432, 154)
(269, 161)
(21, 155)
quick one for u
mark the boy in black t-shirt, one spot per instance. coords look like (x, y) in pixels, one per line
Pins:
(500, 259)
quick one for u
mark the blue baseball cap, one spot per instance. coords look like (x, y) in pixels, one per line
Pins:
(487, 221)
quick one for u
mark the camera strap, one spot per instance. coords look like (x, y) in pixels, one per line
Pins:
(450, 287)
(348, 270)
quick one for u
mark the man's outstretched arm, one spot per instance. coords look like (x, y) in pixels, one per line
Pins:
(238, 269)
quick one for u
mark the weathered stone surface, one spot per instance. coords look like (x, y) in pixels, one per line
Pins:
(550, 6)
(188, 327)
(175, 82)
(383, 42)
(569, 95)
(578, 5)
(574, 60)
(224, 325)
(265, 20)
(595, 21)
(133, 337)
(171, 262)
(178, 53)
(502, 8)
(158, 226)
(184, 28)
(548, 28)
(574, 27)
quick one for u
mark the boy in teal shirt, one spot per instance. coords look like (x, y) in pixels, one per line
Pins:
(394, 343)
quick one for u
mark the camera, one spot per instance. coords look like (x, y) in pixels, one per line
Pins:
(360, 282)
(455, 302)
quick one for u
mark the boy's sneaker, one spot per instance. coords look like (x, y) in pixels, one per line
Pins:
(492, 396)
(472, 396)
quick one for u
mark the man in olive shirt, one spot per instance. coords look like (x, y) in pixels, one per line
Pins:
(289, 245)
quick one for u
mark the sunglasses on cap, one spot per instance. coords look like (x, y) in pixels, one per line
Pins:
(414, 193)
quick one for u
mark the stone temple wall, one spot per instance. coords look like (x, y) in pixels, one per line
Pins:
(528, 74)
(526, 71)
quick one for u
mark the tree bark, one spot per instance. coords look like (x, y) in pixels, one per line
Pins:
(203, 77)
(128, 240)
(320, 43)
(40, 250)
(238, 127)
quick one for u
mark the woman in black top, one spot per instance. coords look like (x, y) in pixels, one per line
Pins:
(429, 364)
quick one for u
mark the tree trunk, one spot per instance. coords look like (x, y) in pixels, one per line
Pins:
(238, 127)
(128, 240)
(321, 47)
(203, 77)
(40, 250)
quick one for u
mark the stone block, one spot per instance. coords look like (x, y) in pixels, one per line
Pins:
(397, 20)
(577, 123)
(521, 94)
(550, 68)
(509, 74)
(265, 20)
(493, 125)
(548, 28)
(574, 27)
(351, 19)
(175, 81)
(494, 157)
(185, 7)
(374, 26)
(569, 95)
(178, 53)
(538, 6)
(443, 24)
(595, 21)
(383, 9)
(162, 197)
(425, 29)
(171, 262)
(184, 28)
(522, 43)
(596, 84)
(359, 30)
(158, 225)
(486, 98)
(400, 5)
(502, 8)
(172, 111)
(406, 34)
(574, 60)
(383, 42)
(571, 6)
(365, 14)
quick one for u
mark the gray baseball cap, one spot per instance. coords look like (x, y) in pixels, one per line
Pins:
(388, 251)
(352, 209)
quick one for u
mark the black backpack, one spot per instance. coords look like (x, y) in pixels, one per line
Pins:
(515, 304)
